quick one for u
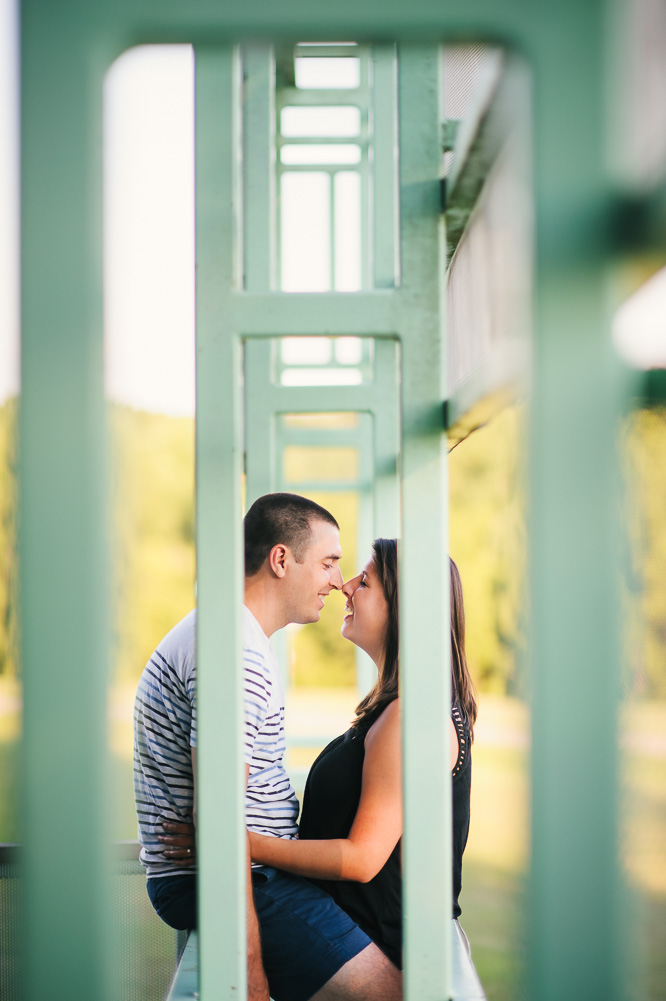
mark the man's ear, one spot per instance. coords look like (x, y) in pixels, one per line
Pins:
(277, 560)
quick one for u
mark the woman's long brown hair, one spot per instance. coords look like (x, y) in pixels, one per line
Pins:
(463, 693)
(385, 690)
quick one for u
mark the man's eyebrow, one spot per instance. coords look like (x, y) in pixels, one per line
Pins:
(333, 557)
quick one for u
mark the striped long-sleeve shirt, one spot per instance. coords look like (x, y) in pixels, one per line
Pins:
(165, 730)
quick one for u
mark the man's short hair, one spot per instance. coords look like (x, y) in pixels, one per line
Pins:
(280, 518)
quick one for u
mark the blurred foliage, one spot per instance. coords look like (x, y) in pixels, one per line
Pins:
(305, 463)
(487, 510)
(8, 558)
(643, 472)
(152, 499)
(151, 487)
(153, 552)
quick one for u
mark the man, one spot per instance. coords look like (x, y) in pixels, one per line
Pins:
(308, 946)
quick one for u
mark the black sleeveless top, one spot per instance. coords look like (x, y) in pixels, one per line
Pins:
(330, 802)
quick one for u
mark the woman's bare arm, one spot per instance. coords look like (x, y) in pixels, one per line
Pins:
(377, 826)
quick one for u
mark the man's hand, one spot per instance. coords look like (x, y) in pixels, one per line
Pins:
(257, 985)
(180, 841)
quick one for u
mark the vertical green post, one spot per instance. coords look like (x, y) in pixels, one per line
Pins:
(384, 166)
(574, 915)
(425, 642)
(63, 575)
(386, 439)
(259, 243)
(220, 778)
(259, 167)
(261, 460)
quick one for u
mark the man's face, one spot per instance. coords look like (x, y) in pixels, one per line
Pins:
(310, 581)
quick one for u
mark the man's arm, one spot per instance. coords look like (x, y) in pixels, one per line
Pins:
(257, 984)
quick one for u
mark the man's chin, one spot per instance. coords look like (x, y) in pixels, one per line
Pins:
(307, 617)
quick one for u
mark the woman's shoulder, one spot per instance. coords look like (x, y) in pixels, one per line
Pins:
(388, 715)
(386, 724)
(391, 710)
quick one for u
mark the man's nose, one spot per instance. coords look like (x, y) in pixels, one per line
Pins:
(336, 579)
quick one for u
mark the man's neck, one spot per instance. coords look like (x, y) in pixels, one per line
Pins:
(260, 599)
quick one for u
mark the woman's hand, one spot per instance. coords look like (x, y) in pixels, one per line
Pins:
(180, 841)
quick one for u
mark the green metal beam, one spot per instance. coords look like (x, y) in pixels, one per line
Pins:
(220, 790)
(574, 950)
(385, 202)
(63, 567)
(424, 636)
(288, 314)
(125, 24)
(259, 197)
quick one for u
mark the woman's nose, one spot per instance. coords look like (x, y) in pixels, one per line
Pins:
(350, 585)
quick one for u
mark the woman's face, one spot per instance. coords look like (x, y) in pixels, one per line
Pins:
(367, 612)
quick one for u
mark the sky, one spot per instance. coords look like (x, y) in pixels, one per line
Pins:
(149, 229)
(149, 235)
(149, 226)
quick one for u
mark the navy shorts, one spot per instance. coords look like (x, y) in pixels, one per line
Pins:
(175, 899)
(305, 937)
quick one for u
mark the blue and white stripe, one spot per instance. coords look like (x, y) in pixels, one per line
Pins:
(165, 730)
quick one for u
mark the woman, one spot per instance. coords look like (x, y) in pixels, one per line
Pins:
(351, 823)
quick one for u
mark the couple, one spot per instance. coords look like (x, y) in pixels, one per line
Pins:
(325, 909)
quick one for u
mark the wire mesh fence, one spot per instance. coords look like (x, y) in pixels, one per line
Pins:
(144, 949)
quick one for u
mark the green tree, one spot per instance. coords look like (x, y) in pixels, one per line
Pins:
(643, 470)
(8, 556)
(488, 542)
(152, 531)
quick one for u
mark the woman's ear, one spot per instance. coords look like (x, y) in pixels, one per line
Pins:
(277, 559)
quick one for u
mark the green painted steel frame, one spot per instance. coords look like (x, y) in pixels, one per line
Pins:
(66, 49)
(358, 97)
(265, 401)
(411, 315)
(376, 439)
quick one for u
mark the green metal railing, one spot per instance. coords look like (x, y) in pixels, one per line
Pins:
(575, 913)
